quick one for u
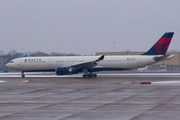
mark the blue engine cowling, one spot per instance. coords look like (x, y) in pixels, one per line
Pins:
(65, 71)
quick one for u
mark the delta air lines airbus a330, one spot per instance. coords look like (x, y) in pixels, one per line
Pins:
(89, 64)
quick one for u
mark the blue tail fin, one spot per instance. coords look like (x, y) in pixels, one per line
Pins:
(161, 46)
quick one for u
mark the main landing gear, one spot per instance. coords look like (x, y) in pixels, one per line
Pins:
(22, 74)
(90, 75)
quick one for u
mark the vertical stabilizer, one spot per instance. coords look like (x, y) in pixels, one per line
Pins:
(161, 46)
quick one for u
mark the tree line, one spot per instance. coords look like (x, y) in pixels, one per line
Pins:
(14, 54)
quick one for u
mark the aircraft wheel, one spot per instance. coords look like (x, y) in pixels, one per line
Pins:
(85, 76)
(94, 75)
(89, 75)
(22, 75)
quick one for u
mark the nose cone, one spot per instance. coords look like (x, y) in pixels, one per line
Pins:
(7, 65)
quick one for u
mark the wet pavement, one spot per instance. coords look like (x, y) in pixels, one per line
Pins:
(103, 98)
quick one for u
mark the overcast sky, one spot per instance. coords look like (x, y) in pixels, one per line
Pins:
(87, 26)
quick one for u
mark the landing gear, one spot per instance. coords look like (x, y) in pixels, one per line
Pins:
(22, 74)
(94, 75)
(90, 75)
(85, 76)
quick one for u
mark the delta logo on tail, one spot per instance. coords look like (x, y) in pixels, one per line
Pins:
(161, 46)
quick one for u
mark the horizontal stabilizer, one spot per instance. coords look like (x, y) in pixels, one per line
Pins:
(164, 57)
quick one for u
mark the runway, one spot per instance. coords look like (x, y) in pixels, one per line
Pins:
(108, 97)
(52, 74)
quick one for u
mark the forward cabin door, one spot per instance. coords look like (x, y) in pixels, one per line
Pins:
(19, 62)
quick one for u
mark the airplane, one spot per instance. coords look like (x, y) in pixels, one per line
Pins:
(89, 64)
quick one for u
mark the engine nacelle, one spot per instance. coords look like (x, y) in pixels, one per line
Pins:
(65, 71)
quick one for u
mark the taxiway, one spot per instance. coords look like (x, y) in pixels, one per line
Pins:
(103, 98)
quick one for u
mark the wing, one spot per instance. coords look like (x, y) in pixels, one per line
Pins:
(87, 64)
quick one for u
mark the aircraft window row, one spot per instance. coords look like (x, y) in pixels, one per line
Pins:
(113, 60)
(69, 61)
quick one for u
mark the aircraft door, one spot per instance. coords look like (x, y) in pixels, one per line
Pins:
(19, 62)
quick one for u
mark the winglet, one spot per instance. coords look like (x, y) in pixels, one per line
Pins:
(99, 59)
(161, 46)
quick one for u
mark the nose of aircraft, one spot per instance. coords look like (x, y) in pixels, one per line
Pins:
(7, 65)
(11, 65)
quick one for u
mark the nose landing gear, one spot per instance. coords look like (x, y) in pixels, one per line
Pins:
(22, 74)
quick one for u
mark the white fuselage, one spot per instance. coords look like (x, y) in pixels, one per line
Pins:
(51, 63)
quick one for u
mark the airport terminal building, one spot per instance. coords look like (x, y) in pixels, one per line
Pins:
(170, 65)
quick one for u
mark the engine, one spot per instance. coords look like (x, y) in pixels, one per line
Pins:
(65, 71)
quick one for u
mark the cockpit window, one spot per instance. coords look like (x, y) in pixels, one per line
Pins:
(11, 62)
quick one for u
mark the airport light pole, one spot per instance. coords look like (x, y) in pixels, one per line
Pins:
(114, 45)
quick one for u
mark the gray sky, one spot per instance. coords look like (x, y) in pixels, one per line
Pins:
(87, 26)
